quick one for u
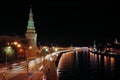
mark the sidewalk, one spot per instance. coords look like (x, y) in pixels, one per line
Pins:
(9, 63)
(35, 75)
(51, 74)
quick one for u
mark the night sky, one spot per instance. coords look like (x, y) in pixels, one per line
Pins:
(63, 22)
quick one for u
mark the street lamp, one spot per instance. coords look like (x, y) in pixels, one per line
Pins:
(5, 59)
(46, 49)
(27, 60)
(7, 52)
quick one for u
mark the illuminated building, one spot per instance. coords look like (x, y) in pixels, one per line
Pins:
(31, 35)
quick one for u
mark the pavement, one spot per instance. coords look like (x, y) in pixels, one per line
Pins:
(48, 74)
(37, 75)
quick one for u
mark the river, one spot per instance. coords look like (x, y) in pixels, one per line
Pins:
(88, 66)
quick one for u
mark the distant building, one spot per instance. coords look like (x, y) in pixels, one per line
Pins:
(94, 46)
(116, 41)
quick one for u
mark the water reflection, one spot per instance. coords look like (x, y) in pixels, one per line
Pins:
(112, 62)
(106, 61)
(74, 66)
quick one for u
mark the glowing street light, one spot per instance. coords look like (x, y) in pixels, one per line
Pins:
(9, 50)
(46, 49)
(15, 43)
(56, 49)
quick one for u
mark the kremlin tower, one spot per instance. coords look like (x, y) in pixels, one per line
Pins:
(31, 35)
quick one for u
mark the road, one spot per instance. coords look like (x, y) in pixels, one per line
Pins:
(38, 68)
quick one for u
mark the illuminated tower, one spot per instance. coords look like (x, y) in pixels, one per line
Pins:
(116, 41)
(94, 46)
(31, 35)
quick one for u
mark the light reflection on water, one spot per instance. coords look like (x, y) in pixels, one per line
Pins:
(90, 65)
(107, 61)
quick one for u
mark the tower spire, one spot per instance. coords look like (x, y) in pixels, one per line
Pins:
(94, 46)
(30, 26)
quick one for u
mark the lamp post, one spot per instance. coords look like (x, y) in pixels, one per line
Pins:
(8, 50)
(5, 59)
(27, 60)
(45, 50)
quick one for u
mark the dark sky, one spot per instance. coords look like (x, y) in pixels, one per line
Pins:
(63, 22)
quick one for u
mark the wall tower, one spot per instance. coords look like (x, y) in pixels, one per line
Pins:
(31, 35)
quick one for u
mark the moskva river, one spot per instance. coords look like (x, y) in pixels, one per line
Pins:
(88, 66)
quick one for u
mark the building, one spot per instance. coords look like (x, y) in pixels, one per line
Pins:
(31, 36)
(29, 42)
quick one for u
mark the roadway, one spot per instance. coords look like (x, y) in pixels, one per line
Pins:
(39, 69)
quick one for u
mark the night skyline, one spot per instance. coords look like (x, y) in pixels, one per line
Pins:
(63, 22)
